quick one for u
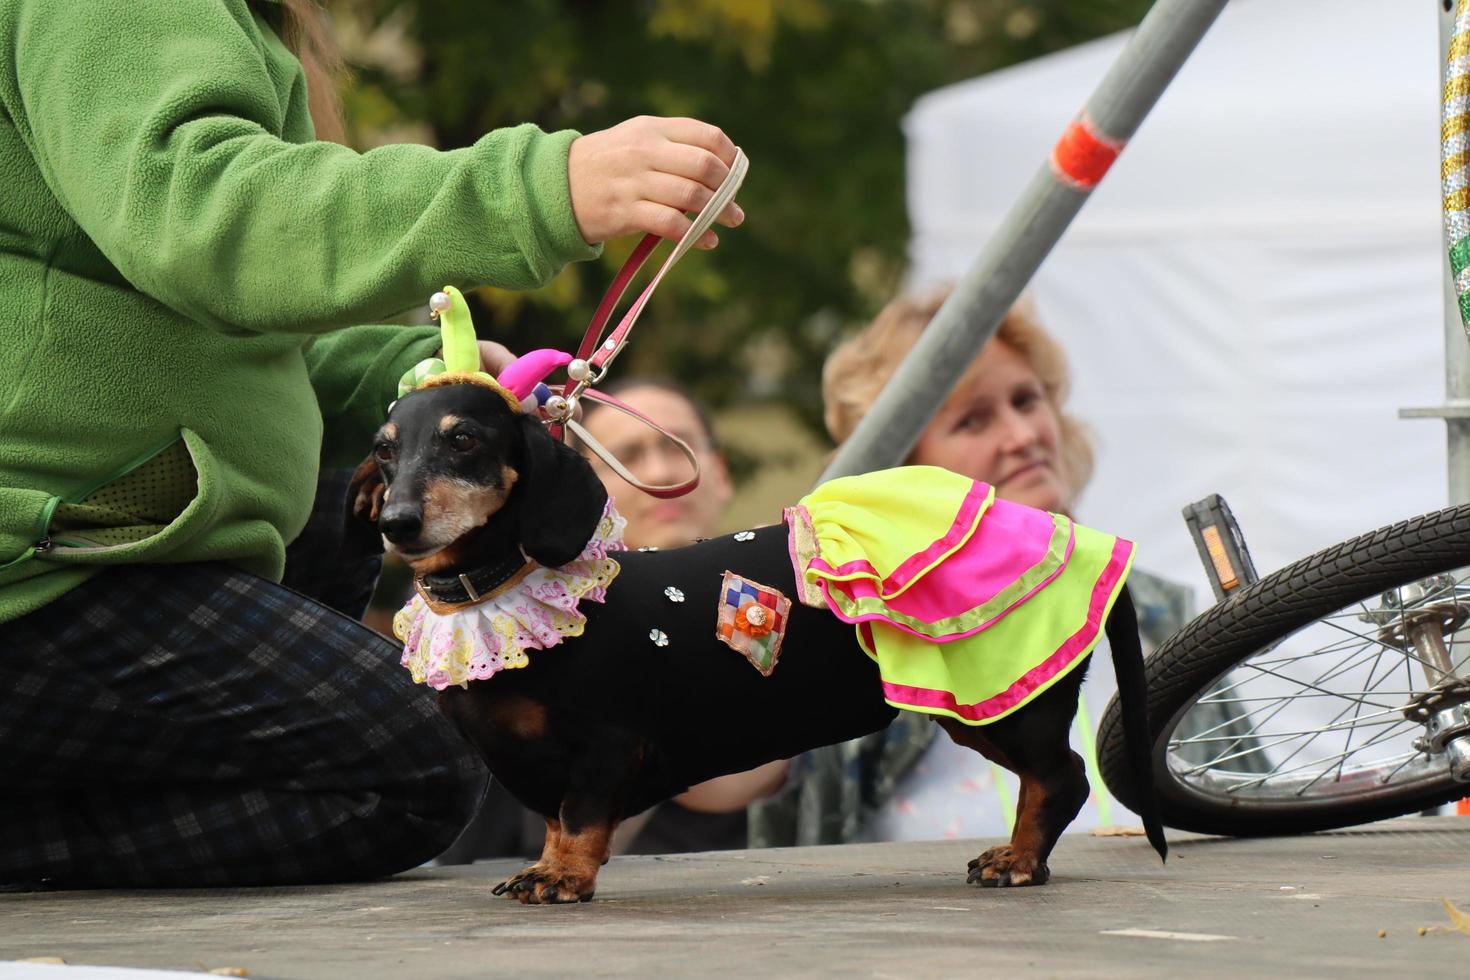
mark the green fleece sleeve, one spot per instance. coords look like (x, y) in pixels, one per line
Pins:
(159, 126)
(355, 373)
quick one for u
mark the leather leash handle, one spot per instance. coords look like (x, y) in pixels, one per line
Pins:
(599, 356)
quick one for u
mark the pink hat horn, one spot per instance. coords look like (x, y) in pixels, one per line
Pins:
(523, 374)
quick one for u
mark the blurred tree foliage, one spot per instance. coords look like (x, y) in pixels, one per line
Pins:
(813, 90)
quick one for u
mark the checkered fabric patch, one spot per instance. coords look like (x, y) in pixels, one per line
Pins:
(752, 620)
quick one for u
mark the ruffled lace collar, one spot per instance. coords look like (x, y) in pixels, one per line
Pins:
(477, 642)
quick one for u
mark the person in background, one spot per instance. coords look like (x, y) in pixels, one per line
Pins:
(182, 700)
(1005, 424)
(654, 522)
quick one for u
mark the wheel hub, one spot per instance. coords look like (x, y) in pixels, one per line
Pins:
(1444, 711)
(1400, 627)
(1444, 708)
(1449, 693)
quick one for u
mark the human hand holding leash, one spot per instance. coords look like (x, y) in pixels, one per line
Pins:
(643, 174)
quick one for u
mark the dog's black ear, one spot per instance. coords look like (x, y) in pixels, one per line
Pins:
(360, 537)
(365, 492)
(561, 498)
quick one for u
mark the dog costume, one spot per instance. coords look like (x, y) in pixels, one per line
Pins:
(971, 606)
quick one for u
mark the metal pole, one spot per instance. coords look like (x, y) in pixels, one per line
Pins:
(969, 318)
(1456, 408)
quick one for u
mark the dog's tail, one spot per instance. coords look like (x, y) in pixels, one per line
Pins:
(1122, 630)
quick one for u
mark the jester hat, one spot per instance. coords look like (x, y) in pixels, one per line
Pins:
(460, 364)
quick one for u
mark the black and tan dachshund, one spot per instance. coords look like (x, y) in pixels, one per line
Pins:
(607, 723)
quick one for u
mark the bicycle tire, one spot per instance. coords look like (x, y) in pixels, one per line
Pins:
(1256, 618)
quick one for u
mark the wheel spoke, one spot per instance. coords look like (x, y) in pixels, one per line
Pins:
(1277, 773)
(1314, 687)
(1403, 651)
(1357, 717)
(1325, 729)
(1283, 703)
(1297, 697)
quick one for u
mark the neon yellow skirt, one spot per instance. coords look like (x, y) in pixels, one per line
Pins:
(970, 605)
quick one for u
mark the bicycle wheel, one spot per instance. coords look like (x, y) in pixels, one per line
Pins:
(1294, 705)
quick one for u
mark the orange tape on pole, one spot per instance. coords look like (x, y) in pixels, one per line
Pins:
(1083, 155)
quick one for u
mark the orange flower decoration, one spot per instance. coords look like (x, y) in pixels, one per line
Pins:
(754, 618)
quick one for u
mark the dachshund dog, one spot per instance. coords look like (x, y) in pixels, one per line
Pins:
(610, 722)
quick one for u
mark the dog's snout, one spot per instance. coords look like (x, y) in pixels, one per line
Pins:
(401, 525)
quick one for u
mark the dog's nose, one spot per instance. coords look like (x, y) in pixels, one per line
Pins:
(400, 525)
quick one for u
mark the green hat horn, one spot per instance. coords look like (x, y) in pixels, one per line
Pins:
(457, 330)
(456, 335)
(461, 349)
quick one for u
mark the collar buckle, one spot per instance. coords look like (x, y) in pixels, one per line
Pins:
(469, 589)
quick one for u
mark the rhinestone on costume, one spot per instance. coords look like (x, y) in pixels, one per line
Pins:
(674, 594)
(744, 535)
(659, 637)
(649, 547)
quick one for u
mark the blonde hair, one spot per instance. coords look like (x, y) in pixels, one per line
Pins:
(857, 370)
(305, 34)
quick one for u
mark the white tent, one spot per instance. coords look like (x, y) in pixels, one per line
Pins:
(1254, 290)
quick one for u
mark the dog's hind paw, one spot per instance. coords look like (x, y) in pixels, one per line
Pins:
(988, 855)
(563, 892)
(540, 885)
(1000, 867)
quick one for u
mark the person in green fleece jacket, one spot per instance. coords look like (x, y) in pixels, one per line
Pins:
(182, 261)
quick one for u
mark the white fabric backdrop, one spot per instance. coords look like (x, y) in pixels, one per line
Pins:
(1253, 291)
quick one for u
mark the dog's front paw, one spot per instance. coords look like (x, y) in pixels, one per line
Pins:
(1001, 867)
(523, 881)
(542, 885)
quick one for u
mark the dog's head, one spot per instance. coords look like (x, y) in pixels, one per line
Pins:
(455, 471)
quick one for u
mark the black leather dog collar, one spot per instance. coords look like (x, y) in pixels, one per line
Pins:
(474, 585)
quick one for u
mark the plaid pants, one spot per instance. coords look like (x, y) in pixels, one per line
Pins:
(180, 725)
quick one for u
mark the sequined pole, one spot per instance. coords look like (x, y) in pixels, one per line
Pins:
(1454, 43)
(1454, 170)
(1169, 32)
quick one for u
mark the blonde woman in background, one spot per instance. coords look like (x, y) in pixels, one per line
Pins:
(1004, 424)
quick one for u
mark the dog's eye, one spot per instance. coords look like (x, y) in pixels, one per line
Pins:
(383, 453)
(462, 443)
